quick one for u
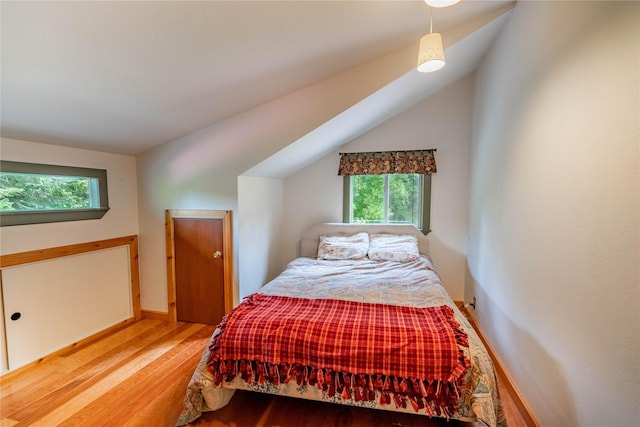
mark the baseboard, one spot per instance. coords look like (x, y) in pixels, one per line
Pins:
(525, 410)
(156, 315)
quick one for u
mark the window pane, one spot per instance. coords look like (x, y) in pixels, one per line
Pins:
(367, 198)
(394, 199)
(29, 192)
(404, 199)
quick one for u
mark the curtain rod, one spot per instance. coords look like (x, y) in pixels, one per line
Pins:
(391, 151)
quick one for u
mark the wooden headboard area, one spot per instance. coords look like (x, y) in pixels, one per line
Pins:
(311, 238)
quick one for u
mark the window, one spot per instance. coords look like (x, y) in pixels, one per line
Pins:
(34, 193)
(388, 187)
(388, 199)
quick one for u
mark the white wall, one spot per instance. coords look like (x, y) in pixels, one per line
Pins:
(554, 214)
(201, 170)
(314, 194)
(260, 204)
(120, 220)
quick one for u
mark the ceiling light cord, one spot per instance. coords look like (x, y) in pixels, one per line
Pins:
(430, 20)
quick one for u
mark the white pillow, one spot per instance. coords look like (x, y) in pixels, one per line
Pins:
(391, 247)
(343, 247)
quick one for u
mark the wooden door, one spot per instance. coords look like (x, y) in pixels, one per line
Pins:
(199, 268)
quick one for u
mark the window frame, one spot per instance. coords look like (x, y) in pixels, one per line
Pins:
(425, 225)
(56, 215)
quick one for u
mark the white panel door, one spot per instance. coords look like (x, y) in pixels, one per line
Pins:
(51, 304)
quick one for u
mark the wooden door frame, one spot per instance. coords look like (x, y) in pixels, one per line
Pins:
(227, 250)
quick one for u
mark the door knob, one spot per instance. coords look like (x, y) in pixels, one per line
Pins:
(217, 254)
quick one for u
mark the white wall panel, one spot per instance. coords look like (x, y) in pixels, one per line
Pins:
(64, 300)
(260, 204)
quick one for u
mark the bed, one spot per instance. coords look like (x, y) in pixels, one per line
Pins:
(360, 318)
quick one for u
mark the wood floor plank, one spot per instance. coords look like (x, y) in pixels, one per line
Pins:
(158, 407)
(60, 411)
(80, 355)
(55, 366)
(138, 391)
(237, 414)
(82, 376)
(320, 414)
(6, 422)
(44, 373)
(251, 409)
(511, 409)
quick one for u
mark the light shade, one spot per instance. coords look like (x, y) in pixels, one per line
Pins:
(430, 53)
(441, 3)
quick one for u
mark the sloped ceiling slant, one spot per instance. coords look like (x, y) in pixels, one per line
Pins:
(463, 56)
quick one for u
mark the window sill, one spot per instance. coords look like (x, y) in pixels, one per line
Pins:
(37, 217)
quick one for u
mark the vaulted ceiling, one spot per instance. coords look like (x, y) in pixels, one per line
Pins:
(124, 77)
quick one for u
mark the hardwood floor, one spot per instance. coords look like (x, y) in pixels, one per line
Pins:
(136, 376)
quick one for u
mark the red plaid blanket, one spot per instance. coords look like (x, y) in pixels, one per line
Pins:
(351, 348)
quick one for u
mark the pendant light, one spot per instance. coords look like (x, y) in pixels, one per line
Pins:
(431, 51)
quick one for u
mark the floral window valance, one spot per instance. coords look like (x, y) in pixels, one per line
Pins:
(388, 162)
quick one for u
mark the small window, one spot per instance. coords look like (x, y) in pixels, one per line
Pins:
(33, 193)
(388, 199)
